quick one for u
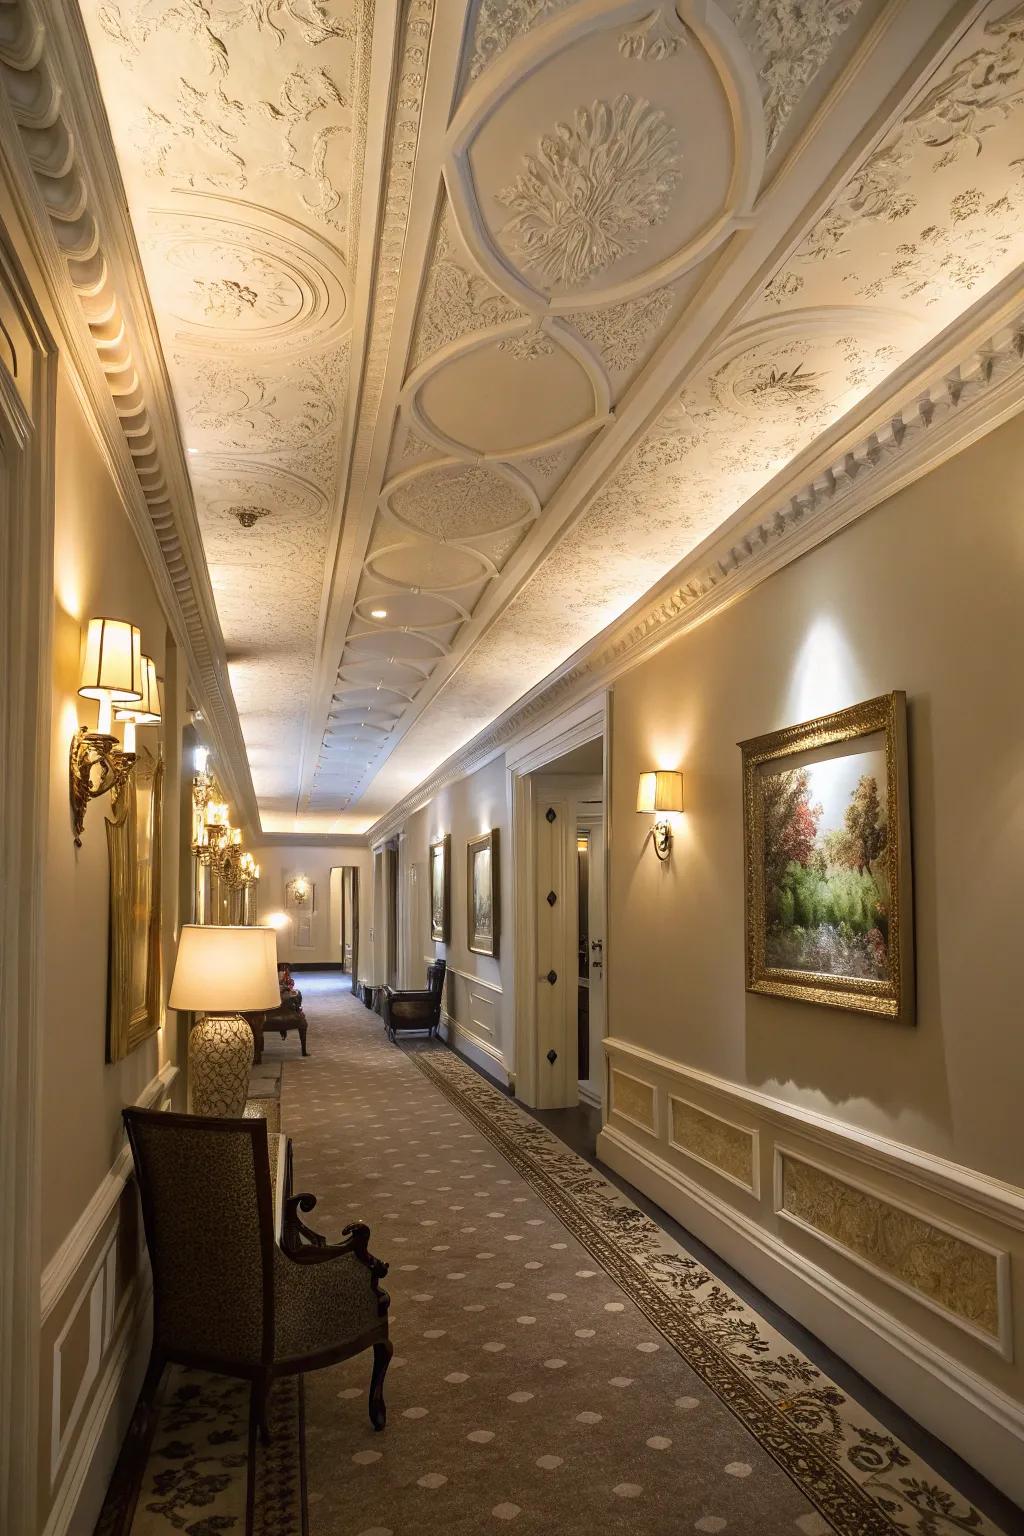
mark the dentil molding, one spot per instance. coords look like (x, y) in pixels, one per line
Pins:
(961, 401)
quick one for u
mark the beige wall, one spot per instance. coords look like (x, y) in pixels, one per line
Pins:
(279, 863)
(92, 1286)
(479, 991)
(923, 594)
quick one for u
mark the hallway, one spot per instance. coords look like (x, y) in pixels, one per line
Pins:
(534, 1314)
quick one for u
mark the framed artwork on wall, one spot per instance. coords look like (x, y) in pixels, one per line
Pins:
(133, 845)
(440, 889)
(483, 893)
(826, 835)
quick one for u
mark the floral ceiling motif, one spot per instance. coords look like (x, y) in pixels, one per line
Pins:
(595, 184)
(434, 357)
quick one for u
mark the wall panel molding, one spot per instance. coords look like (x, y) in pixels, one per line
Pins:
(951, 1271)
(731, 1150)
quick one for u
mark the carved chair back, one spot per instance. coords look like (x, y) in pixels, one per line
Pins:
(208, 1212)
(435, 978)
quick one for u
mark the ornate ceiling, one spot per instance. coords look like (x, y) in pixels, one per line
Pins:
(479, 318)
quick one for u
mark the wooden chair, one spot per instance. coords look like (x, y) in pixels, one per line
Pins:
(415, 1010)
(241, 1286)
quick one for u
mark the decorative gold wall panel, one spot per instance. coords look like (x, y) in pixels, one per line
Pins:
(946, 1270)
(633, 1099)
(728, 1148)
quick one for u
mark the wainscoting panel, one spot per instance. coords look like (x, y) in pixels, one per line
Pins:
(94, 1295)
(958, 1276)
(731, 1150)
(472, 1019)
(908, 1265)
(634, 1100)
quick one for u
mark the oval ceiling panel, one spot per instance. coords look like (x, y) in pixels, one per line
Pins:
(416, 609)
(508, 396)
(426, 565)
(405, 644)
(459, 501)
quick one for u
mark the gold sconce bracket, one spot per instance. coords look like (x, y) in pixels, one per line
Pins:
(661, 836)
(92, 751)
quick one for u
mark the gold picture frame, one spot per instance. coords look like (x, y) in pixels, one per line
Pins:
(483, 894)
(826, 841)
(134, 847)
(440, 889)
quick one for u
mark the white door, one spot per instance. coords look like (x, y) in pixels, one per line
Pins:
(554, 897)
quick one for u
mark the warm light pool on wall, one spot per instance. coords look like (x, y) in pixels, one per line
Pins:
(660, 793)
(113, 673)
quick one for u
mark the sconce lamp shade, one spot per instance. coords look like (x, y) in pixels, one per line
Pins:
(660, 792)
(225, 970)
(147, 710)
(112, 661)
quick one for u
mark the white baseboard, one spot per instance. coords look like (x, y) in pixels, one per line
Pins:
(982, 1424)
(80, 1492)
(485, 1055)
(588, 1096)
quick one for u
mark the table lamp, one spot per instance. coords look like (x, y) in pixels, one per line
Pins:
(221, 973)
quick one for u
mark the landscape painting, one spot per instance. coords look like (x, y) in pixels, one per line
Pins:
(827, 851)
(483, 894)
(439, 890)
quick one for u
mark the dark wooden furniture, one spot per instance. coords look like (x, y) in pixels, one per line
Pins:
(235, 1290)
(288, 1015)
(416, 1010)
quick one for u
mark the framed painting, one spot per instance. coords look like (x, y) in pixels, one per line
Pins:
(483, 894)
(826, 833)
(133, 844)
(440, 889)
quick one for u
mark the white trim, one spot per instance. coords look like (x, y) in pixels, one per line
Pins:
(453, 970)
(94, 1423)
(588, 1096)
(952, 1401)
(93, 1296)
(1001, 1343)
(977, 1191)
(487, 1056)
(73, 1251)
(754, 1187)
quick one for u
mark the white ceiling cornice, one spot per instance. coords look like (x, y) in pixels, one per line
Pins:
(966, 384)
(91, 265)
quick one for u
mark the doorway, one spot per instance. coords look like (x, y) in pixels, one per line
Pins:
(559, 873)
(345, 916)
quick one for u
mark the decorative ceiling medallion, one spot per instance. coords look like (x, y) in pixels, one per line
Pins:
(648, 154)
(595, 184)
(251, 282)
(491, 400)
(456, 501)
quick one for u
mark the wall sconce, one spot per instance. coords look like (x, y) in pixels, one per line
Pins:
(300, 890)
(657, 794)
(146, 711)
(112, 673)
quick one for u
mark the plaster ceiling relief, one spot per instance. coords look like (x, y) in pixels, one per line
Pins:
(457, 501)
(584, 179)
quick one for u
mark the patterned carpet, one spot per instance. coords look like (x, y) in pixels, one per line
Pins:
(561, 1364)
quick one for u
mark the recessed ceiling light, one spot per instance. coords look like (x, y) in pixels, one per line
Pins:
(378, 613)
(193, 450)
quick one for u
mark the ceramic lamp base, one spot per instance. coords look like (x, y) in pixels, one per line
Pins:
(220, 1053)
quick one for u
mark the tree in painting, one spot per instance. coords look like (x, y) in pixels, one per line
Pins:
(826, 868)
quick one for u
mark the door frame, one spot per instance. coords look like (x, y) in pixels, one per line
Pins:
(598, 821)
(590, 720)
(27, 447)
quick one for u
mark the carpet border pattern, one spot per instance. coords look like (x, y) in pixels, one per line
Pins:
(862, 1480)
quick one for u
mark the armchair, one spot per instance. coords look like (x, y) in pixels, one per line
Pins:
(416, 1010)
(241, 1286)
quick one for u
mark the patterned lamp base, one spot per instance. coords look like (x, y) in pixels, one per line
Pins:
(220, 1052)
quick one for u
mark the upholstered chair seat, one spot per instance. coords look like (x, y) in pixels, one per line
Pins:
(241, 1285)
(416, 1010)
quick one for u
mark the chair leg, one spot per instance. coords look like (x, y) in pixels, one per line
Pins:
(382, 1353)
(260, 1399)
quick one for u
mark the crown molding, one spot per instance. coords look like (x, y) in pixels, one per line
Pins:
(964, 385)
(69, 191)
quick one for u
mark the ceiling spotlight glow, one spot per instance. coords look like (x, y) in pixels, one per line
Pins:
(378, 613)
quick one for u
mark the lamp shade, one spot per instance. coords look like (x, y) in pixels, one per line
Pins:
(144, 711)
(660, 791)
(112, 661)
(225, 970)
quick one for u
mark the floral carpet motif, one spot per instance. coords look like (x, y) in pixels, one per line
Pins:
(858, 1475)
(199, 1469)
